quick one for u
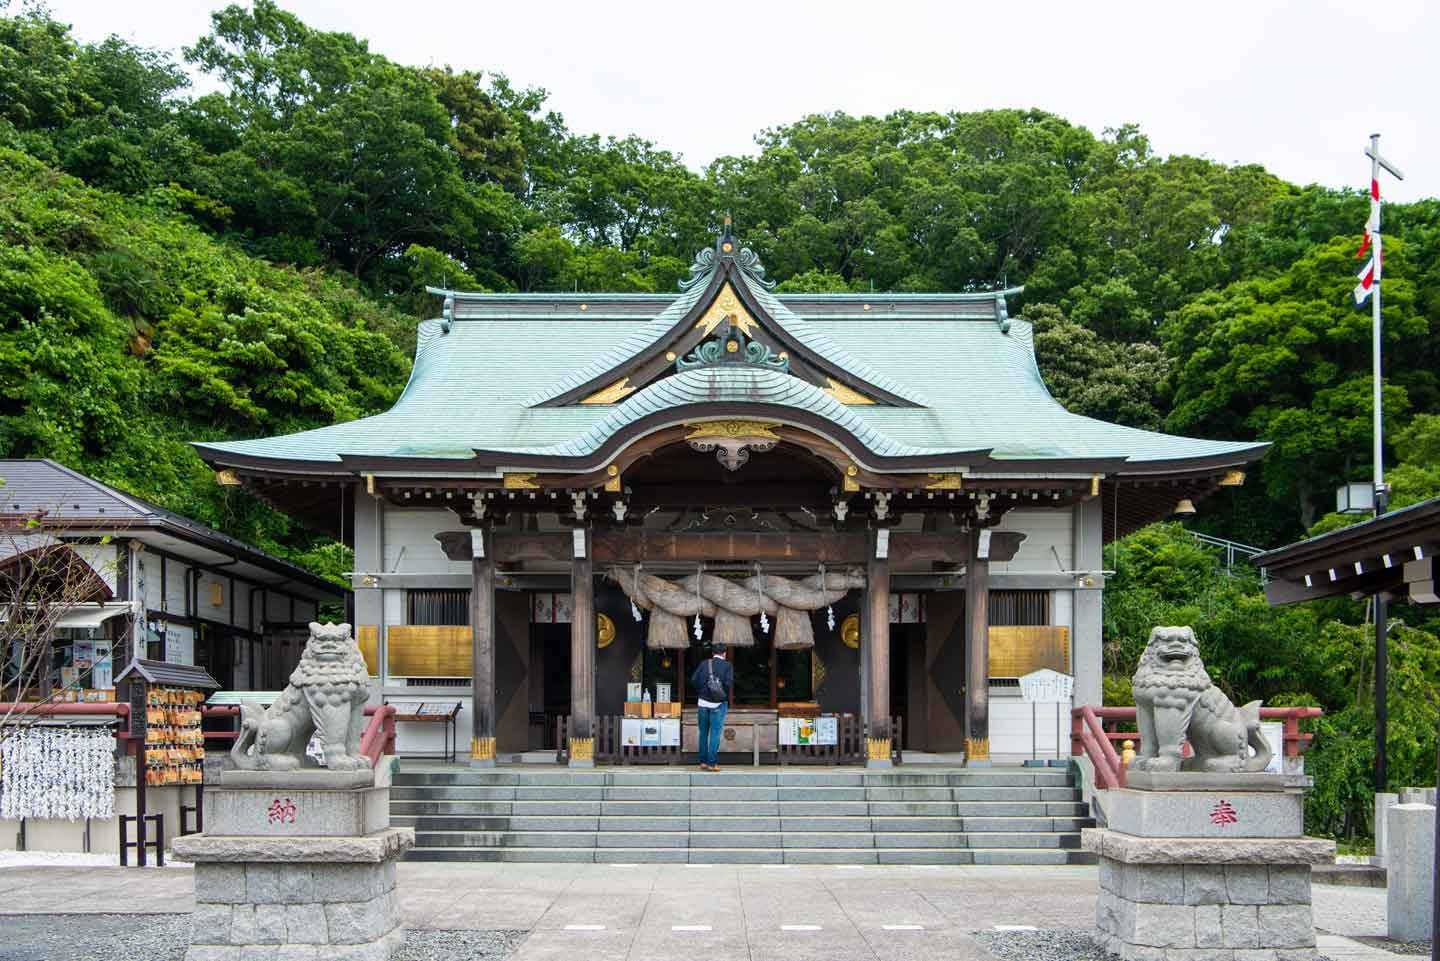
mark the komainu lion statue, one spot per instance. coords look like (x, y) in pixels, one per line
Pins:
(326, 693)
(1175, 700)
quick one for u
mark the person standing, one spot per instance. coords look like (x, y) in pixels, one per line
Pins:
(713, 679)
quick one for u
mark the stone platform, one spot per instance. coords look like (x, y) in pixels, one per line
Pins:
(1197, 874)
(295, 873)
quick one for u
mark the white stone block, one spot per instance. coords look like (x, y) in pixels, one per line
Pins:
(219, 882)
(1290, 884)
(269, 924)
(1410, 872)
(1286, 926)
(1239, 926)
(1383, 803)
(1207, 926)
(1205, 884)
(305, 924)
(1247, 883)
(1164, 925)
(210, 924)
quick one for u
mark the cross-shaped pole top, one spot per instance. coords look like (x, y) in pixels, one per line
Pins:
(1373, 152)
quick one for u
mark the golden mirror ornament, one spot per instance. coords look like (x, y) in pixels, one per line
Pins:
(604, 631)
(850, 630)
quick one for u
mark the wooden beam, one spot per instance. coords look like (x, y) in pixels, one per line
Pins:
(629, 546)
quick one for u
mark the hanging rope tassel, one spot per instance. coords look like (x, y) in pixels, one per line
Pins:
(634, 609)
(760, 600)
(699, 630)
(829, 609)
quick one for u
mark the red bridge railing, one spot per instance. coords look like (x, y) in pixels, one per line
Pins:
(1095, 731)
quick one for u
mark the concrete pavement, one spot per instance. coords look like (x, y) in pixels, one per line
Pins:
(719, 912)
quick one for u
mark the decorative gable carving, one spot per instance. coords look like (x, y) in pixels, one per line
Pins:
(732, 318)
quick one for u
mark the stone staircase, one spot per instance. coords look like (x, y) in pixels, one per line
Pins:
(790, 816)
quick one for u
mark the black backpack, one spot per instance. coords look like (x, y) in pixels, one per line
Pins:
(713, 689)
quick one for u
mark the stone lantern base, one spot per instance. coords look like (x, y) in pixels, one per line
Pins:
(295, 873)
(1219, 875)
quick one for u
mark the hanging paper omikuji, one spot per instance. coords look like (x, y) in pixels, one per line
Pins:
(1370, 244)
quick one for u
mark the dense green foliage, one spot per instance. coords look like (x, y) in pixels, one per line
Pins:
(252, 261)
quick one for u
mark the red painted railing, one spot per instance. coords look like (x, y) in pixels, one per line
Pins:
(379, 736)
(1094, 732)
(377, 740)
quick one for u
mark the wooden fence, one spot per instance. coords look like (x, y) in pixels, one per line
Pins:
(610, 748)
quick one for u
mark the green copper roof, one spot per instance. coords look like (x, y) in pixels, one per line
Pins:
(968, 370)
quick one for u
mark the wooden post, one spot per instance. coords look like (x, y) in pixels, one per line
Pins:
(482, 649)
(875, 648)
(977, 651)
(582, 651)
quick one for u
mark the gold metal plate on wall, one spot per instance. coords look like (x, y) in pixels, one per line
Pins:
(850, 630)
(422, 650)
(604, 631)
(519, 482)
(1016, 651)
(368, 637)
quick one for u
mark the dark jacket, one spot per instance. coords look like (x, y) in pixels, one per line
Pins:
(724, 673)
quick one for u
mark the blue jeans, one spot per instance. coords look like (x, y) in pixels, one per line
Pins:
(712, 723)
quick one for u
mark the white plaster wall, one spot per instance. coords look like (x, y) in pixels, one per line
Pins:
(1044, 529)
(214, 612)
(410, 546)
(103, 559)
(148, 579)
(242, 605)
(175, 574)
(58, 835)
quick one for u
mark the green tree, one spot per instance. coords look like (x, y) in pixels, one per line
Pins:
(1287, 359)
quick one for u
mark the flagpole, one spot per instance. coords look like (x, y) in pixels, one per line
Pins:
(1376, 269)
(1381, 497)
(1382, 626)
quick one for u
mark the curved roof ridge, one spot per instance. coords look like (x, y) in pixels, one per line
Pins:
(729, 384)
(818, 341)
(627, 348)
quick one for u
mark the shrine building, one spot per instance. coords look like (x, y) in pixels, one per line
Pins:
(872, 499)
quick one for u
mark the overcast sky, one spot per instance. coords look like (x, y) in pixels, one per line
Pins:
(1297, 86)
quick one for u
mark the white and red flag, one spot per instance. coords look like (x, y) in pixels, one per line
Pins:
(1369, 274)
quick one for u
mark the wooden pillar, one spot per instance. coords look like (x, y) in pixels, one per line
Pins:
(875, 648)
(977, 651)
(482, 649)
(582, 651)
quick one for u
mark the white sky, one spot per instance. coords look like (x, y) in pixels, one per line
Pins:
(1297, 86)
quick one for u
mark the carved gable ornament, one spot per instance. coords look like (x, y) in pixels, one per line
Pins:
(732, 318)
(732, 440)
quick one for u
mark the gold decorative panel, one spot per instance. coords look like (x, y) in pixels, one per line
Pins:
(727, 306)
(845, 394)
(417, 650)
(519, 482)
(368, 637)
(1016, 651)
(612, 394)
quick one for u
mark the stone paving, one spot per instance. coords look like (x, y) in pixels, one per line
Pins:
(718, 912)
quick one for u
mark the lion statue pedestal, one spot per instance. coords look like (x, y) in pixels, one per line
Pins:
(296, 853)
(1202, 852)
